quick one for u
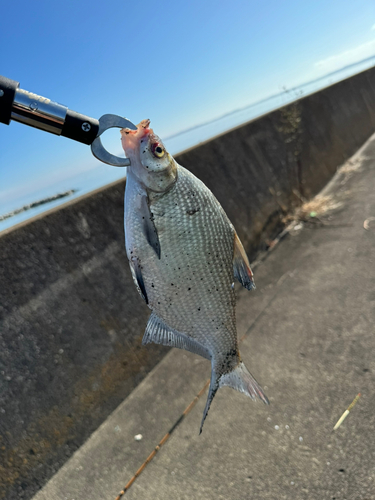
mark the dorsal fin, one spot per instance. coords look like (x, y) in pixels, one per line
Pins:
(159, 333)
(241, 265)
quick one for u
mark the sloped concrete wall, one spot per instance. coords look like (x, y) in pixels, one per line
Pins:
(71, 321)
(261, 169)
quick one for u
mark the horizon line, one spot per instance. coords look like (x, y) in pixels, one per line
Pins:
(272, 96)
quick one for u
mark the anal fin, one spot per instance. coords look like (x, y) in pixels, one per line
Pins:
(241, 265)
(159, 333)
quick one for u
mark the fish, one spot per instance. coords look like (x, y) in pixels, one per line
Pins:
(184, 254)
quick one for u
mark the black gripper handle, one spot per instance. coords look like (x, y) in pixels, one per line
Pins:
(80, 128)
(7, 94)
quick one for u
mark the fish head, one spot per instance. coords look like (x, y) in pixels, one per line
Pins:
(150, 162)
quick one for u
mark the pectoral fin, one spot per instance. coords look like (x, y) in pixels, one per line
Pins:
(136, 270)
(241, 265)
(159, 333)
(149, 228)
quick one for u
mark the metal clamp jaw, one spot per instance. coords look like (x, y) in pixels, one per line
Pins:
(97, 148)
(39, 112)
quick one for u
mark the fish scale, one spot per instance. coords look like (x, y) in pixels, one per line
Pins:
(184, 254)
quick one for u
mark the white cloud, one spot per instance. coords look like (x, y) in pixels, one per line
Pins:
(373, 27)
(347, 57)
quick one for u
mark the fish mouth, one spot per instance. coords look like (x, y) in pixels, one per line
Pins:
(131, 138)
(143, 128)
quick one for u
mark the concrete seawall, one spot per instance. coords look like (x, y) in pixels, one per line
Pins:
(71, 319)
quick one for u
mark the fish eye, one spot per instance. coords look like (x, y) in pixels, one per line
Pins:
(158, 151)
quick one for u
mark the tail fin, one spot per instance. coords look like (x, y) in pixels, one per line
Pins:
(214, 386)
(242, 380)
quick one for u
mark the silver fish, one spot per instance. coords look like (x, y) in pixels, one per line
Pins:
(184, 254)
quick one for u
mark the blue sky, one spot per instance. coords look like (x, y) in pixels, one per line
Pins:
(178, 63)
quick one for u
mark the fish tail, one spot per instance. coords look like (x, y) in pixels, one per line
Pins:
(214, 386)
(242, 380)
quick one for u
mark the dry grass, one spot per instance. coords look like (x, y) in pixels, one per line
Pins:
(351, 165)
(317, 207)
(322, 204)
(314, 209)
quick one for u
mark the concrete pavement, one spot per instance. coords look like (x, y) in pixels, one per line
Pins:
(309, 342)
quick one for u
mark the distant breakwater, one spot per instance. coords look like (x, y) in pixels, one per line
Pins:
(38, 203)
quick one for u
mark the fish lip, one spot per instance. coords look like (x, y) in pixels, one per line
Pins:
(131, 139)
(144, 123)
(143, 128)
